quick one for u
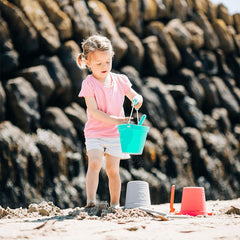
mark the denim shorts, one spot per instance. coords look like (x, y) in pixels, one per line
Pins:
(111, 146)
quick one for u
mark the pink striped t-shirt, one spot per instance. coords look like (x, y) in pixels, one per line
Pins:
(109, 99)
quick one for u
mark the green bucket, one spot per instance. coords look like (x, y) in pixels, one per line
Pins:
(133, 138)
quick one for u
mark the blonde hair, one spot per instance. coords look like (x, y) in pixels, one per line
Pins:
(91, 44)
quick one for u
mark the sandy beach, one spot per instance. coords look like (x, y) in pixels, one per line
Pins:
(46, 221)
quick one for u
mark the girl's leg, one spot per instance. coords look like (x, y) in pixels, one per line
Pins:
(112, 170)
(94, 166)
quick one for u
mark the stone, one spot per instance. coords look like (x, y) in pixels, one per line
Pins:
(221, 30)
(168, 102)
(83, 24)
(134, 16)
(180, 9)
(2, 103)
(101, 15)
(47, 32)
(78, 116)
(210, 37)
(57, 121)
(197, 34)
(118, 10)
(150, 11)
(224, 14)
(62, 93)
(67, 55)
(179, 33)
(23, 107)
(190, 113)
(236, 18)
(41, 81)
(189, 80)
(211, 99)
(136, 52)
(9, 57)
(172, 53)
(209, 62)
(21, 29)
(227, 99)
(155, 58)
(60, 19)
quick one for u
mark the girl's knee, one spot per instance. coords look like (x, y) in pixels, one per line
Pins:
(112, 172)
(95, 164)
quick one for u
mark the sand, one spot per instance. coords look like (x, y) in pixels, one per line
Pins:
(46, 221)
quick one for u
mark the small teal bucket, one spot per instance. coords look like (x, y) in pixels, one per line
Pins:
(133, 138)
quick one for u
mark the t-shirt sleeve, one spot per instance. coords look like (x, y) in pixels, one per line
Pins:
(86, 89)
(126, 84)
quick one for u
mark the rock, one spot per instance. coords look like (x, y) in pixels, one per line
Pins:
(48, 34)
(152, 105)
(22, 165)
(83, 24)
(53, 154)
(171, 51)
(167, 101)
(222, 64)
(134, 21)
(101, 15)
(118, 10)
(178, 163)
(2, 103)
(221, 117)
(237, 42)
(210, 38)
(9, 57)
(227, 99)
(212, 11)
(180, 9)
(135, 54)
(23, 107)
(134, 77)
(179, 33)
(62, 84)
(209, 62)
(210, 92)
(21, 29)
(150, 11)
(192, 115)
(236, 18)
(155, 58)
(60, 19)
(191, 61)
(57, 121)
(197, 34)
(224, 14)
(200, 6)
(77, 115)
(194, 139)
(226, 42)
(188, 79)
(41, 81)
(67, 54)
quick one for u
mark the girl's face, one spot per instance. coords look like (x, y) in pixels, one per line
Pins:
(100, 63)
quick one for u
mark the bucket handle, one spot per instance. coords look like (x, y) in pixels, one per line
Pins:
(132, 114)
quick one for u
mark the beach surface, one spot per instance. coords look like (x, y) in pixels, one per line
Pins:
(46, 221)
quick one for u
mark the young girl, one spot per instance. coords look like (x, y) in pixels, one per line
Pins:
(104, 94)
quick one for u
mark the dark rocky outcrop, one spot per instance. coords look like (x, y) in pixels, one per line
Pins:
(183, 56)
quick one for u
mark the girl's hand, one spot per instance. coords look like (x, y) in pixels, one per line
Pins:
(139, 99)
(120, 120)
